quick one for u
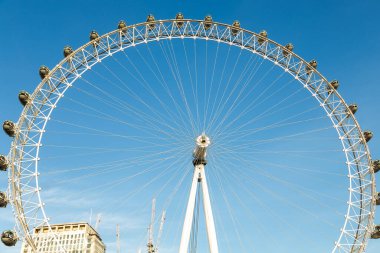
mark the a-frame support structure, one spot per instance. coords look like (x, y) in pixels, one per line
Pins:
(199, 177)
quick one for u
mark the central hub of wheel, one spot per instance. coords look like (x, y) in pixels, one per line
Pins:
(199, 154)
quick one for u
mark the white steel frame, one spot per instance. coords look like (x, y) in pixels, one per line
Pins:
(199, 177)
(24, 189)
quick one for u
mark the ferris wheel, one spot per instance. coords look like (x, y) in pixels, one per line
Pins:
(165, 91)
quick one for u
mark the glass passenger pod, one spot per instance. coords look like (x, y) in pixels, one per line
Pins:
(179, 17)
(312, 65)
(9, 128)
(43, 71)
(235, 28)
(151, 22)
(94, 37)
(289, 48)
(207, 23)
(67, 50)
(122, 26)
(376, 233)
(368, 135)
(376, 166)
(334, 84)
(263, 35)
(23, 97)
(9, 238)
(3, 163)
(353, 108)
(3, 200)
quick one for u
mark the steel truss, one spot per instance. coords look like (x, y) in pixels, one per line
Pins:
(24, 189)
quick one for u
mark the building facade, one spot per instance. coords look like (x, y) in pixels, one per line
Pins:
(72, 237)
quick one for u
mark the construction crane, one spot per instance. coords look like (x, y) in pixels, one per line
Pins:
(163, 217)
(150, 245)
(98, 220)
(117, 238)
(153, 247)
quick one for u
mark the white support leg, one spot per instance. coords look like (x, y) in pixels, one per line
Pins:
(199, 162)
(210, 225)
(186, 230)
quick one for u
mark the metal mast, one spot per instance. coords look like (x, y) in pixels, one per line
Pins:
(151, 248)
(163, 217)
(117, 238)
(199, 179)
(98, 220)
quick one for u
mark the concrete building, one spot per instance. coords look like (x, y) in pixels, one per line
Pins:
(73, 237)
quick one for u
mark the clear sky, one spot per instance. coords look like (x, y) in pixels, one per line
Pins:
(342, 35)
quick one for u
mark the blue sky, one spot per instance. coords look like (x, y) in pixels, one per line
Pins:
(342, 35)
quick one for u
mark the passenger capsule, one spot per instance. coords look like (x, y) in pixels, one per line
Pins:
(150, 19)
(122, 26)
(94, 35)
(9, 238)
(353, 108)
(9, 128)
(179, 17)
(3, 200)
(44, 71)
(263, 37)
(289, 47)
(67, 50)
(23, 97)
(376, 233)
(334, 84)
(368, 135)
(235, 28)
(376, 166)
(207, 23)
(378, 199)
(313, 64)
(3, 163)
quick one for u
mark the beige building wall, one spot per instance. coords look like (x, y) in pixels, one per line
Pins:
(73, 237)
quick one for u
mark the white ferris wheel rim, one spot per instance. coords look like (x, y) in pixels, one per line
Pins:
(24, 153)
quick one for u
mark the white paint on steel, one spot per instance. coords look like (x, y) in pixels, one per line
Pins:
(211, 232)
(186, 230)
(199, 176)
